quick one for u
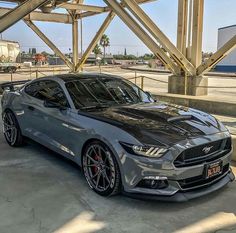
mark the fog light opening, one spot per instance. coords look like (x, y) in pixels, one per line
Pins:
(154, 182)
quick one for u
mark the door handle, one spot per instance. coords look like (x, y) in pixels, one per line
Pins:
(31, 108)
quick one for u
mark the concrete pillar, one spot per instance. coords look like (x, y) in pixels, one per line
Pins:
(194, 85)
(234, 146)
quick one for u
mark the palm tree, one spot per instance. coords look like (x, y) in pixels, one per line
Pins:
(104, 42)
(97, 50)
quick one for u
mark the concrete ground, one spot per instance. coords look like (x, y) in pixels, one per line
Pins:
(42, 192)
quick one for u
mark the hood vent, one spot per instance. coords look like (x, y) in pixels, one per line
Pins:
(180, 118)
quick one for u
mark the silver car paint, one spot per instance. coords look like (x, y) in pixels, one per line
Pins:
(66, 132)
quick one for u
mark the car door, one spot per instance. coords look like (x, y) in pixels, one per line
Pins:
(47, 122)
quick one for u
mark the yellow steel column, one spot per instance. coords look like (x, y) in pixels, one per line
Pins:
(182, 26)
(156, 32)
(190, 26)
(143, 36)
(196, 54)
(75, 41)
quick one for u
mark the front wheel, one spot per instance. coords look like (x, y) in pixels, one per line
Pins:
(11, 129)
(101, 169)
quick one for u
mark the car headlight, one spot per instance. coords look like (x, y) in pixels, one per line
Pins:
(148, 151)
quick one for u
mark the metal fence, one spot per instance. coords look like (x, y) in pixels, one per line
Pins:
(156, 82)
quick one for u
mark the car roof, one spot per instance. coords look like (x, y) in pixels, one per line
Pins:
(75, 76)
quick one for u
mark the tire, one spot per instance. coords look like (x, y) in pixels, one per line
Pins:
(11, 129)
(101, 169)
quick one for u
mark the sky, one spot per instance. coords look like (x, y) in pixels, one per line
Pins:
(217, 13)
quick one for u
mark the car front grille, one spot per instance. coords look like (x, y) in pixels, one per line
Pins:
(196, 155)
(200, 181)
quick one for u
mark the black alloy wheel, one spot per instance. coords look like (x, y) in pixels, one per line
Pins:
(11, 129)
(101, 169)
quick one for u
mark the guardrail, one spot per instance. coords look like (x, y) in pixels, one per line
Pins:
(34, 73)
(143, 78)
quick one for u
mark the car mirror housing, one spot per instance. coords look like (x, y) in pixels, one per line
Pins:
(51, 104)
(149, 94)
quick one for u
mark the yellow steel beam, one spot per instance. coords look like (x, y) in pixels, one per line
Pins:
(82, 7)
(106, 9)
(18, 13)
(44, 17)
(154, 30)
(49, 43)
(218, 56)
(145, 38)
(95, 40)
(196, 53)
(89, 13)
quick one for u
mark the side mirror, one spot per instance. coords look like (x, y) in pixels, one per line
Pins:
(149, 94)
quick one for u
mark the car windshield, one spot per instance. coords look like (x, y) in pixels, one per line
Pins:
(104, 92)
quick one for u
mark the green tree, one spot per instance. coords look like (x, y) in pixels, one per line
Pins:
(97, 50)
(104, 42)
(46, 54)
(125, 53)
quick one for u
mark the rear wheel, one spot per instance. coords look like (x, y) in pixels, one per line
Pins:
(101, 169)
(11, 129)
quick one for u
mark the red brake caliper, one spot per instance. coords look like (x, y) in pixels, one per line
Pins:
(95, 169)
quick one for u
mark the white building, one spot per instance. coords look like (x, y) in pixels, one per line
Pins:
(228, 64)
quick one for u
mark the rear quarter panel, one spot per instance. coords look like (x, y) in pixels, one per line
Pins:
(11, 100)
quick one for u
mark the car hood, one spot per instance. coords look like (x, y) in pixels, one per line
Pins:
(160, 123)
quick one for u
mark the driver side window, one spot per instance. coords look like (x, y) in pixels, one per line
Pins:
(47, 90)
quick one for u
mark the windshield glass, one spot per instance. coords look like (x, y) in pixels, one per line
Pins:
(94, 92)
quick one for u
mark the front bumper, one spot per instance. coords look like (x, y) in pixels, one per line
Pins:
(181, 196)
(183, 183)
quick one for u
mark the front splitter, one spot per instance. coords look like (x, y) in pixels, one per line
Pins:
(181, 196)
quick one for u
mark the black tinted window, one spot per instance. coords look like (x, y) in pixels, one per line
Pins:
(111, 91)
(47, 90)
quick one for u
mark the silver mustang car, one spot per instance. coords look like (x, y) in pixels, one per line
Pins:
(124, 140)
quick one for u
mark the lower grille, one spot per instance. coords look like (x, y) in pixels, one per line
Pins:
(200, 181)
(198, 155)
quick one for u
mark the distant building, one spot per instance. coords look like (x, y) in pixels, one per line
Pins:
(92, 59)
(27, 57)
(228, 64)
(55, 61)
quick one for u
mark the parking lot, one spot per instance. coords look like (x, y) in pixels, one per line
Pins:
(42, 192)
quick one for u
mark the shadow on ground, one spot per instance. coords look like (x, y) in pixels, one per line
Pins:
(43, 192)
